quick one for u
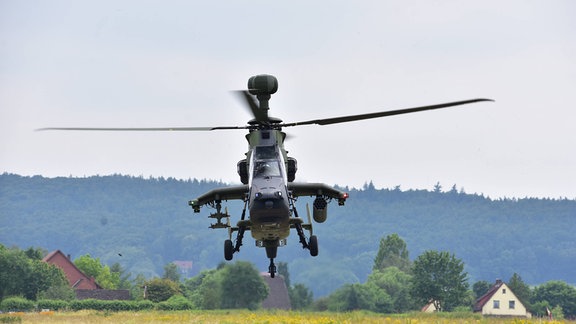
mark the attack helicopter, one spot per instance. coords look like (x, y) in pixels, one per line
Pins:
(267, 174)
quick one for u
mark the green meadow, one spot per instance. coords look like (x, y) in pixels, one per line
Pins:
(269, 317)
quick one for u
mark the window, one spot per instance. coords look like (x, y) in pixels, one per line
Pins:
(504, 291)
(512, 304)
(265, 169)
(496, 304)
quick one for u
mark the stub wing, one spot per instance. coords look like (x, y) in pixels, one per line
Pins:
(317, 189)
(218, 195)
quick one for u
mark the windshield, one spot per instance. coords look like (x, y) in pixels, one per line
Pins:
(264, 169)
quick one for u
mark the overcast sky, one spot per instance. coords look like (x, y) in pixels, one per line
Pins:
(173, 63)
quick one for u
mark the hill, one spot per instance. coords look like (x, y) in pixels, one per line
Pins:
(146, 223)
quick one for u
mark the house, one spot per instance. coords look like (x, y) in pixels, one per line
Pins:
(278, 297)
(429, 308)
(76, 278)
(501, 301)
(85, 287)
(184, 267)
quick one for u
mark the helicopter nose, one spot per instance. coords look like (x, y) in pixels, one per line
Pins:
(268, 195)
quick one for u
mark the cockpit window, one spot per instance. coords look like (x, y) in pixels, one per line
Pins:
(264, 169)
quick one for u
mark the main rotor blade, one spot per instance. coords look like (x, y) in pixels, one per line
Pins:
(345, 119)
(258, 113)
(142, 129)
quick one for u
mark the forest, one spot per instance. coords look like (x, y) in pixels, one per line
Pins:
(143, 224)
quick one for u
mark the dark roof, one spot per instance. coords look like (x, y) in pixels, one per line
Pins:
(103, 294)
(278, 297)
(480, 302)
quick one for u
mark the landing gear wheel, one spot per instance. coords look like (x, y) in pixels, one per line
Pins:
(228, 250)
(272, 269)
(313, 245)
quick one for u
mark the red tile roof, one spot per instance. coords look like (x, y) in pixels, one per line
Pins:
(76, 278)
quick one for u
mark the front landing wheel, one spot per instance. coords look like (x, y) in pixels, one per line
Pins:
(313, 245)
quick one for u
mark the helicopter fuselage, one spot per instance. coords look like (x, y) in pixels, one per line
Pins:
(268, 200)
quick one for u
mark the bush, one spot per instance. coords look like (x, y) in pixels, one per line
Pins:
(15, 304)
(161, 289)
(53, 304)
(177, 302)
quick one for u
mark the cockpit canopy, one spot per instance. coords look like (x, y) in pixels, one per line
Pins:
(266, 162)
(267, 168)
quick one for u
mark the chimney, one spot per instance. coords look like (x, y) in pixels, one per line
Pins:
(69, 256)
(498, 281)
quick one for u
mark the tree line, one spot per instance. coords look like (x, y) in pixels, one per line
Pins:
(395, 285)
(398, 285)
(148, 222)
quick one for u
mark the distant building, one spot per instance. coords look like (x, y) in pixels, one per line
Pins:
(84, 286)
(278, 297)
(76, 278)
(501, 301)
(429, 308)
(184, 267)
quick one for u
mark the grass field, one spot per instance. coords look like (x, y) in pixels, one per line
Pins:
(244, 316)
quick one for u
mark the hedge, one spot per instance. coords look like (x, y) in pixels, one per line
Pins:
(24, 305)
(53, 304)
(17, 304)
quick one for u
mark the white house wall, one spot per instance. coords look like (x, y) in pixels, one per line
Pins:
(504, 296)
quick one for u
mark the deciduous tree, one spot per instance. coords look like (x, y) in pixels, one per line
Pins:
(392, 253)
(439, 277)
(396, 284)
(23, 273)
(158, 290)
(244, 286)
(360, 297)
(300, 297)
(92, 267)
(557, 293)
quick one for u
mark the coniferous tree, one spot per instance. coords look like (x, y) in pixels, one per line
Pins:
(480, 288)
(520, 289)
(171, 272)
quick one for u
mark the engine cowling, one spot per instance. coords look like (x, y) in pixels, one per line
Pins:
(242, 168)
(320, 210)
(291, 169)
